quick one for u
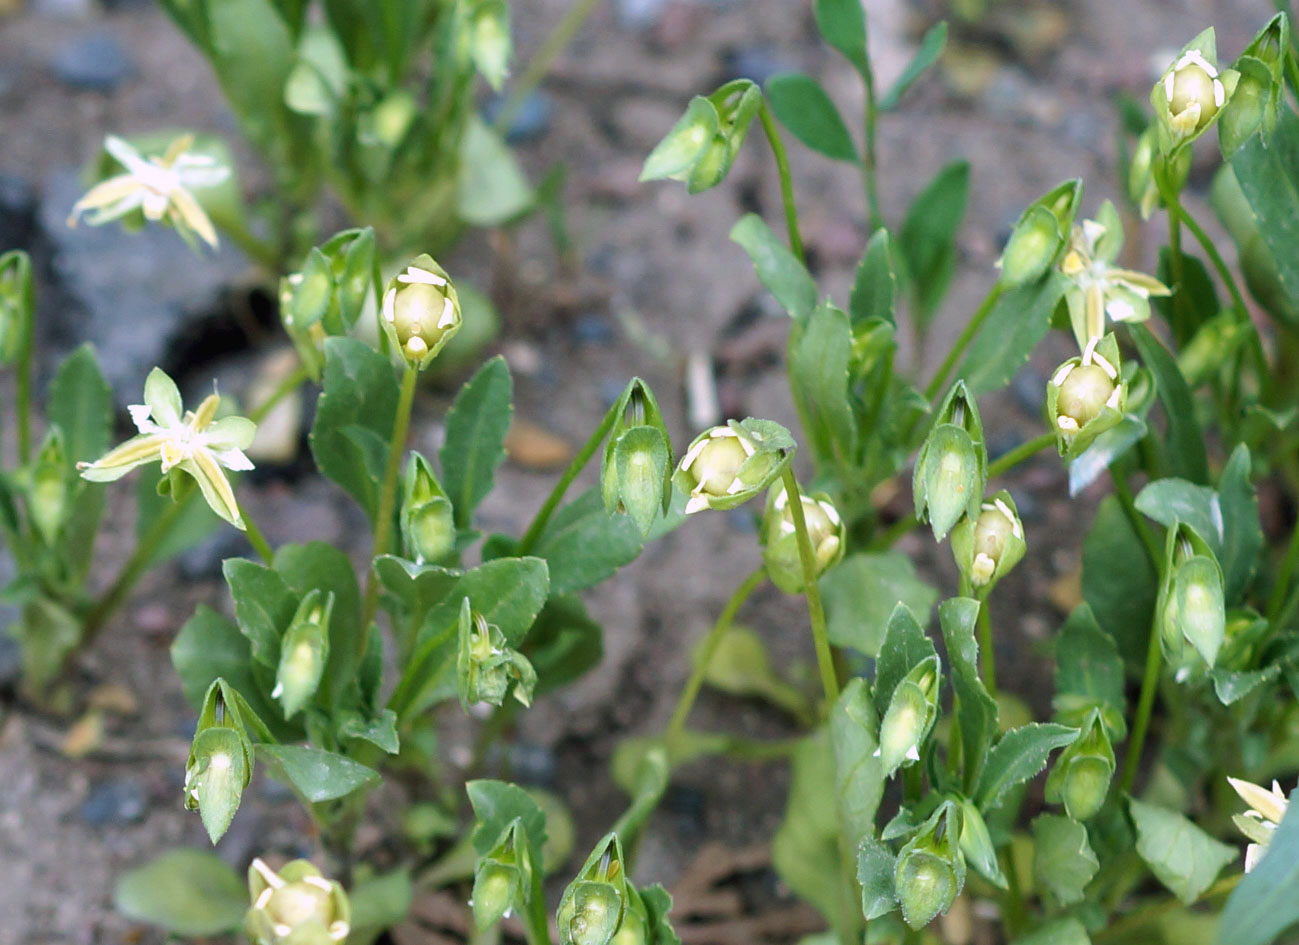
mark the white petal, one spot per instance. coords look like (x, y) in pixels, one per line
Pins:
(232, 459)
(124, 154)
(414, 274)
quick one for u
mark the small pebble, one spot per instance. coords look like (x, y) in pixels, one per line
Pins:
(531, 119)
(533, 764)
(114, 802)
(96, 62)
(534, 447)
(593, 329)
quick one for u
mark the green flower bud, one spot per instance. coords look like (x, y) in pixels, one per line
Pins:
(421, 311)
(912, 710)
(47, 489)
(930, 872)
(1085, 396)
(489, 40)
(987, 547)
(1082, 773)
(296, 906)
(487, 667)
(952, 465)
(728, 465)
(501, 877)
(17, 306)
(634, 928)
(428, 529)
(220, 763)
(593, 905)
(1191, 606)
(328, 294)
(636, 474)
(304, 650)
(1041, 234)
(702, 145)
(976, 845)
(825, 530)
(1191, 94)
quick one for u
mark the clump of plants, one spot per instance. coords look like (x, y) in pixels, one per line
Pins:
(918, 807)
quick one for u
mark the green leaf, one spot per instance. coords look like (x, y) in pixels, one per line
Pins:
(1019, 755)
(186, 892)
(1057, 932)
(377, 903)
(1264, 904)
(1184, 858)
(380, 731)
(1085, 468)
(1175, 500)
(264, 606)
(81, 404)
(564, 642)
(1242, 538)
(778, 269)
(1119, 582)
(1185, 440)
(876, 866)
(931, 47)
(658, 906)
(1063, 861)
(905, 645)
(1271, 187)
(1088, 664)
(976, 710)
(875, 286)
(252, 54)
(806, 110)
(927, 238)
(359, 396)
(316, 565)
(740, 666)
(859, 777)
(1017, 322)
(475, 440)
(496, 804)
(316, 774)
(418, 586)
(820, 353)
(584, 544)
(805, 850)
(843, 25)
(861, 592)
(492, 188)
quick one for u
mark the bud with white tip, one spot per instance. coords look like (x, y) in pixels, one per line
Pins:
(420, 312)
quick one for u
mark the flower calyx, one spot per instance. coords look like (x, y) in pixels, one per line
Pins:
(727, 465)
(420, 311)
(296, 905)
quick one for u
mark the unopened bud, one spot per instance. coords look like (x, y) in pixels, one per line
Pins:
(487, 667)
(987, 547)
(427, 519)
(489, 40)
(931, 870)
(47, 493)
(1192, 600)
(1191, 94)
(1085, 396)
(1040, 235)
(17, 305)
(496, 889)
(215, 778)
(976, 845)
(702, 145)
(1081, 776)
(826, 533)
(912, 711)
(951, 467)
(295, 905)
(728, 465)
(421, 311)
(304, 650)
(592, 907)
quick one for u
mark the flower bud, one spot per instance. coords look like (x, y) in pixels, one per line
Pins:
(296, 906)
(17, 306)
(976, 845)
(1191, 94)
(912, 710)
(825, 530)
(1085, 396)
(1191, 606)
(634, 928)
(702, 145)
(421, 311)
(728, 465)
(47, 489)
(987, 547)
(489, 40)
(428, 529)
(304, 650)
(951, 467)
(501, 877)
(487, 667)
(931, 870)
(1040, 235)
(593, 905)
(327, 295)
(1082, 773)
(218, 771)
(636, 473)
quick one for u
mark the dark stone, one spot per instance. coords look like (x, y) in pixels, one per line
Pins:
(17, 213)
(135, 296)
(114, 802)
(95, 61)
(531, 119)
(593, 329)
(533, 764)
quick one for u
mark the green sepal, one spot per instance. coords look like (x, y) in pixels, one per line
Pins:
(952, 465)
(304, 651)
(592, 906)
(1041, 234)
(931, 869)
(987, 546)
(1081, 776)
(910, 716)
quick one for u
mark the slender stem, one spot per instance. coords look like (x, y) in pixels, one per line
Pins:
(1015, 911)
(963, 340)
(868, 164)
(291, 382)
(256, 538)
(1014, 457)
(1150, 679)
(895, 531)
(23, 398)
(1282, 585)
(987, 658)
(1134, 920)
(786, 181)
(686, 701)
(135, 567)
(543, 59)
(529, 539)
(387, 499)
(820, 635)
(536, 922)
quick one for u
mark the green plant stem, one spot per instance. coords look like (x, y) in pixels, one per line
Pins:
(529, 539)
(291, 382)
(256, 538)
(1014, 909)
(686, 701)
(23, 399)
(816, 613)
(1150, 679)
(1283, 578)
(1134, 920)
(135, 566)
(536, 921)
(963, 340)
(543, 59)
(253, 246)
(786, 181)
(868, 164)
(387, 500)
(987, 658)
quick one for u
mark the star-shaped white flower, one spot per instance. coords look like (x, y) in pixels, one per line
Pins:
(1266, 808)
(158, 186)
(194, 442)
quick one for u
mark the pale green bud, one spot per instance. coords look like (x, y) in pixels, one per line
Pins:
(593, 905)
(826, 533)
(1192, 605)
(636, 473)
(47, 490)
(930, 871)
(218, 771)
(428, 528)
(951, 467)
(304, 650)
(976, 845)
(1040, 235)
(487, 667)
(489, 40)
(17, 305)
(421, 311)
(702, 145)
(912, 710)
(295, 906)
(1086, 396)
(728, 465)
(1191, 94)
(1082, 773)
(496, 890)
(987, 547)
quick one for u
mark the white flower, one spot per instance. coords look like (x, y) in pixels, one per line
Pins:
(158, 186)
(1261, 820)
(194, 442)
